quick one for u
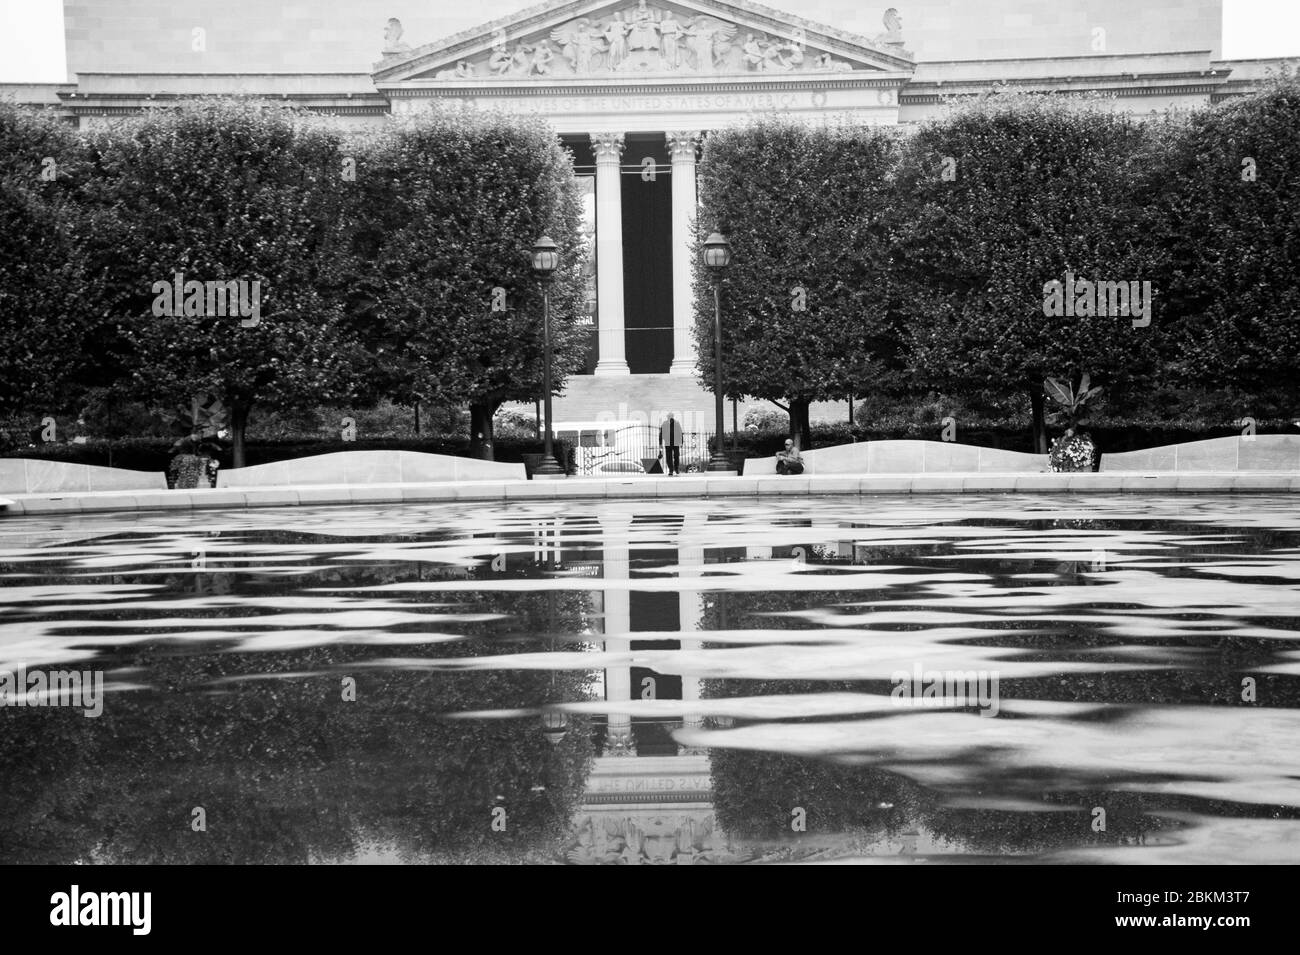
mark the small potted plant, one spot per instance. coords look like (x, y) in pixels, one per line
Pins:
(196, 452)
(1074, 450)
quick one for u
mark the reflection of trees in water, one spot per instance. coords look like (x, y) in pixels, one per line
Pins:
(1210, 676)
(284, 768)
(754, 793)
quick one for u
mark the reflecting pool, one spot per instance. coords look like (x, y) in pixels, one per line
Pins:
(949, 679)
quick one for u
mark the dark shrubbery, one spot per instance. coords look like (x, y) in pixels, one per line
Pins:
(154, 454)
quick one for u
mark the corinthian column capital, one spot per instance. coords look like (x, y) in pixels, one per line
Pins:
(683, 143)
(607, 146)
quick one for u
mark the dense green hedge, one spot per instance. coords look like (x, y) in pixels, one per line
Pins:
(879, 266)
(390, 263)
(154, 454)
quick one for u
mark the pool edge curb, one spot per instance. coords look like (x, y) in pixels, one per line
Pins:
(704, 488)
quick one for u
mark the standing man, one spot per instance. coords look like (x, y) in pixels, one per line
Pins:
(670, 439)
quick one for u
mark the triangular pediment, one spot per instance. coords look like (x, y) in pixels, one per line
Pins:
(600, 39)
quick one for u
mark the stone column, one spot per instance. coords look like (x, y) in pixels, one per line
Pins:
(690, 564)
(681, 146)
(609, 253)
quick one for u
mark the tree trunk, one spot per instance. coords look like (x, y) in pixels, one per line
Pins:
(1037, 402)
(417, 418)
(238, 425)
(480, 428)
(800, 428)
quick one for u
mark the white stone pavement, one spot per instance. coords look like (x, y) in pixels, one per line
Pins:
(652, 487)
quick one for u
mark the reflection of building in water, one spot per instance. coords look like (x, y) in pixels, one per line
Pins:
(649, 800)
(649, 810)
(634, 620)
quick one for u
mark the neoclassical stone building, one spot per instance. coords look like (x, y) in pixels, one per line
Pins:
(632, 87)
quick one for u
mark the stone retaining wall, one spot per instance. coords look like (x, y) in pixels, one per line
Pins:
(907, 457)
(32, 476)
(1256, 452)
(370, 467)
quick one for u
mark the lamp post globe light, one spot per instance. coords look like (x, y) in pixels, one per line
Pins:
(545, 257)
(717, 256)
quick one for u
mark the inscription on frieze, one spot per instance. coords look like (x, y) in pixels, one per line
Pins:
(678, 103)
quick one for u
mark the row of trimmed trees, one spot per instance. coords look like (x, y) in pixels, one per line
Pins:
(393, 264)
(868, 262)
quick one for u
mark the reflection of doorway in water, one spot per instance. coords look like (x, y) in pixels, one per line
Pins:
(655, 611)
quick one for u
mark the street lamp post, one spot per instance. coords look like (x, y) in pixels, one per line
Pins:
(546, 260)
(717, 256)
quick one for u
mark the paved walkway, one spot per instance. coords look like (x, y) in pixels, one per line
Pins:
(1204, 482)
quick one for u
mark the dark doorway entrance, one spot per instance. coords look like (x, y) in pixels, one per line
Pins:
(647, 254)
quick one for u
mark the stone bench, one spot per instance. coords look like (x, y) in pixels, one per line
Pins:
(906, 457)
(34, 476)
(370, 467)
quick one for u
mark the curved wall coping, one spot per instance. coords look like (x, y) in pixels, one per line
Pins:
(1256, 452)
(36, 476)
(370, 467)
(906, 457)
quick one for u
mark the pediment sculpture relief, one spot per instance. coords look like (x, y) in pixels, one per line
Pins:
(645, 39)
(649, 840)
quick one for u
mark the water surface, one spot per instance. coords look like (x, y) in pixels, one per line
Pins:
(677, 682)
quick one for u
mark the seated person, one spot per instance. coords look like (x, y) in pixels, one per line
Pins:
(789, 461)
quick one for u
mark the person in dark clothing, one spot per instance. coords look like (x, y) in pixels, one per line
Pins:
(670, 439)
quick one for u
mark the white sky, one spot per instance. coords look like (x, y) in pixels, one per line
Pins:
(31, 35)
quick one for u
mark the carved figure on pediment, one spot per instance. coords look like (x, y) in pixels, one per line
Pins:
(753, 51)
(587, 46)
(616, 39)
(643, 29)
(670, 32)
(661, 849)
(393, 38)
(634, 844)
(780, 57)
(464, 71)
(500, 60)
(579, 43)
(705, 37)
(542, 56)
(521, 63)
(594, 846)
(826, 63)
(584, 852)
(691, 839)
